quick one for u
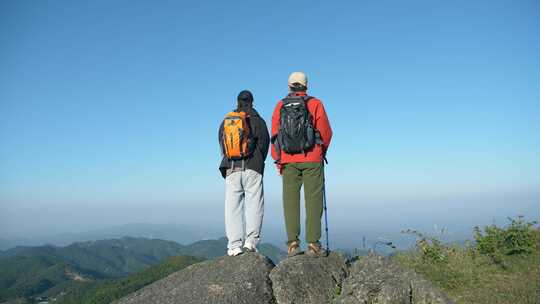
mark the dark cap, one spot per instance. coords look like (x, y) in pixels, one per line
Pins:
(245, 97)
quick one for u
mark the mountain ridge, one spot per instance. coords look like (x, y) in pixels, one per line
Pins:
(36, 269)
(181, 234)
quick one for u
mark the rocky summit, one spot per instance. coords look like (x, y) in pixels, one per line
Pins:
(375, 279)
(251, 278)
(303, 279)
(242, 279)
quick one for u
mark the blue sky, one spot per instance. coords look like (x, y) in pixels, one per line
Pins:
(110, 108)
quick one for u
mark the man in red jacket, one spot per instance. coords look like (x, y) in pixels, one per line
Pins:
(301, 135)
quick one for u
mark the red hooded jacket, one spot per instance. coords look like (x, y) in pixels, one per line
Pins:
(320, 122)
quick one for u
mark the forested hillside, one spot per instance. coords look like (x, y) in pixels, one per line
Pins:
(48, 271)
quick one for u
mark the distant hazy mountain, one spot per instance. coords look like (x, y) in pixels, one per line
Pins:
(178, 233)
(10, 243)
(216, 248)
(112, 258)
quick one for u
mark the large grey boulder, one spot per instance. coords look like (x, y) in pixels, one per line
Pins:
(375, 279)
(242, 279)
(303, 279)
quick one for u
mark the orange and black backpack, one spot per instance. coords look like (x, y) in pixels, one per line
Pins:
(236, 141)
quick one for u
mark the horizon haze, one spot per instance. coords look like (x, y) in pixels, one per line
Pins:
(110, 111)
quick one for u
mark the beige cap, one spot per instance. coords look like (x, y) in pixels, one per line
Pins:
(298, 77)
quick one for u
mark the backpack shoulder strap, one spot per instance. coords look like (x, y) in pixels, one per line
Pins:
(295, 99)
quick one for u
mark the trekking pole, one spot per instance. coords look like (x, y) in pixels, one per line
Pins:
(325, 213)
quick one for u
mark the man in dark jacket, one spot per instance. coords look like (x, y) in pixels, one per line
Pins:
(244, 196)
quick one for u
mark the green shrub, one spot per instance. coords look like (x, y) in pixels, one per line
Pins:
(337, 291)
(519, 237)
(431, 248)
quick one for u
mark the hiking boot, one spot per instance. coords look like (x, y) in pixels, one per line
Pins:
(294, 249)
(315, 250)
(250, 248)
(235, 251)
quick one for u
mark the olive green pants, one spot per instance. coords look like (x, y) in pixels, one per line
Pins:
(311, 175)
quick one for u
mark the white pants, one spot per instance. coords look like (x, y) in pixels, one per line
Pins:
(244, 200)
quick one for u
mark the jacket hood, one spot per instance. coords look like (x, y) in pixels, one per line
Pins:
(250, 111)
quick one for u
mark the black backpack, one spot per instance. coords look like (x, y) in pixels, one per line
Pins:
(296, 132)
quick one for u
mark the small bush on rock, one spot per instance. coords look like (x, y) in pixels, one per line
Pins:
(431, 248)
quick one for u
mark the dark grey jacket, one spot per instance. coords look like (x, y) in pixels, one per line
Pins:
(262, 142)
